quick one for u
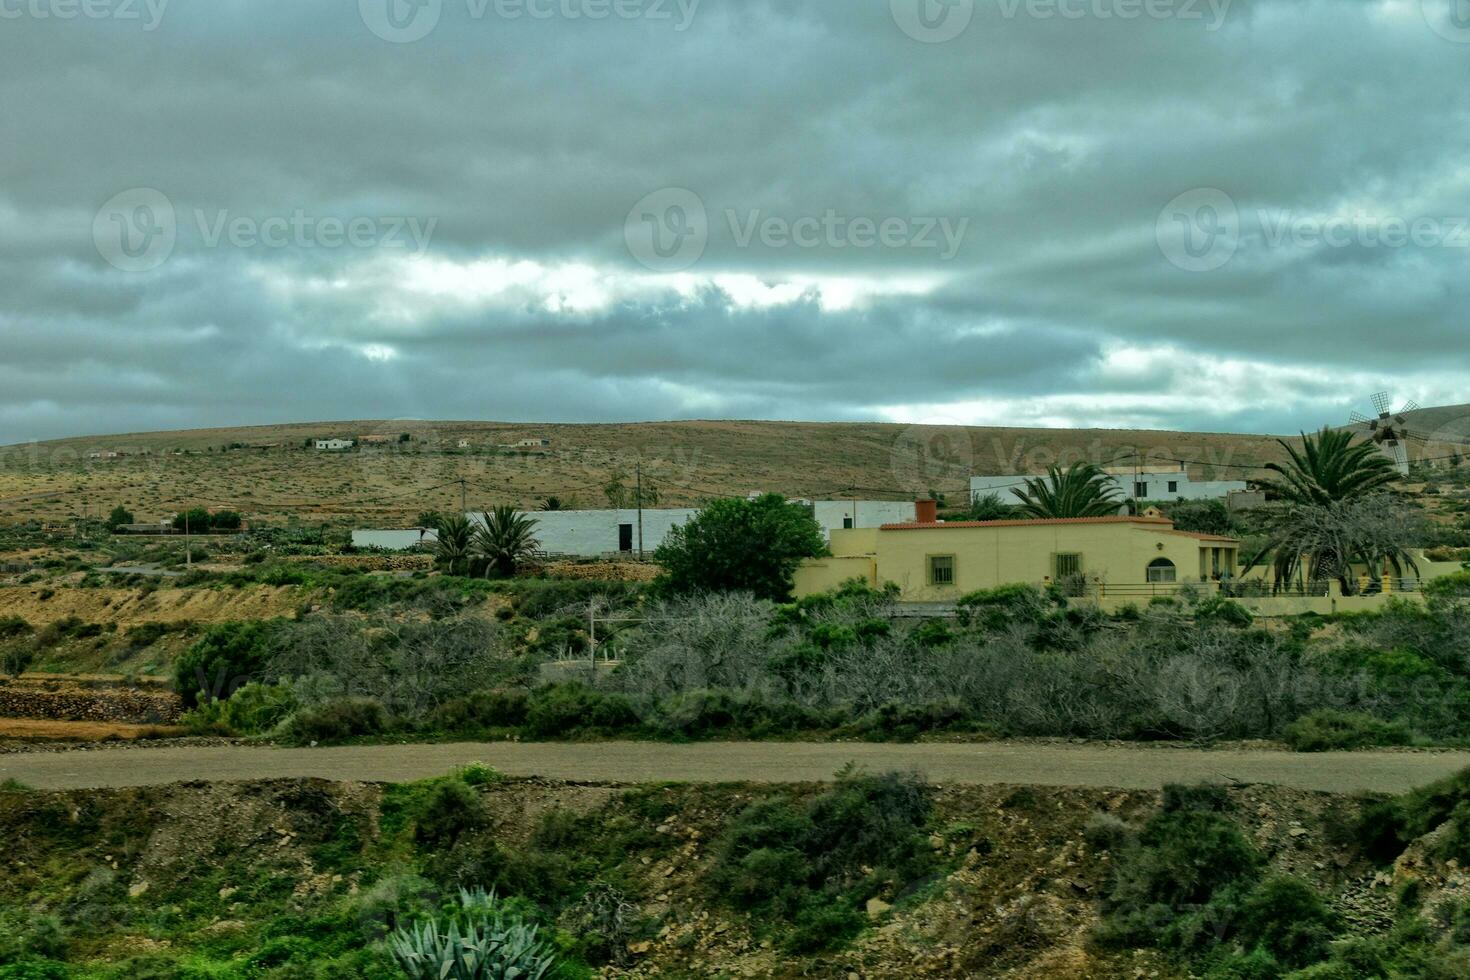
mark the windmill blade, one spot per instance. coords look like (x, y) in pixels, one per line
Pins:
(1410, 406)
(1382, 402)
(1400, 454)
(1360, 419)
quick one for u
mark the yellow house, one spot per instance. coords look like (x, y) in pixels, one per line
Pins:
(938, 562)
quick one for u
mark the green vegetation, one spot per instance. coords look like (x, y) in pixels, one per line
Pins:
(736, 545)
(805, 870)
(1081, 490)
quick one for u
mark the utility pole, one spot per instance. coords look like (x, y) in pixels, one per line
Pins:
(640, 509)
(188, 553)
(463, 506)
(592, 635)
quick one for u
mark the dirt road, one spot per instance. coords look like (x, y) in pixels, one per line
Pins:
(637, 762)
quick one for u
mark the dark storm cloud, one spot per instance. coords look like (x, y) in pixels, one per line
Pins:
(1046, 139)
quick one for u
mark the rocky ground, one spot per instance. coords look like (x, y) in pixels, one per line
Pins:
(164, 870)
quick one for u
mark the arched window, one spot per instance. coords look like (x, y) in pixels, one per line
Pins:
(1162, 570)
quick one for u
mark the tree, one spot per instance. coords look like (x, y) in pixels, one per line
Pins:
(505, 539)
(1320, 542)
(738, 545)
(553, 503)
(1081, 490)
(1336, 512)
(226, 520)
(456, 540)
(1330, 467)
(429, 518)
(195, 520)
(120, 515)
(1203, 517)
(988, 507)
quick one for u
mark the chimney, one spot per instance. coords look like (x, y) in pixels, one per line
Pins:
(926, 511)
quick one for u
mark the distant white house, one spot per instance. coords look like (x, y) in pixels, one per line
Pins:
(1145, 483)
(395, 540)
(610, 533)
(533, 443)
(333, 445)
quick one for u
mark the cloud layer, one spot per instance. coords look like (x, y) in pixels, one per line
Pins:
(1164, 213)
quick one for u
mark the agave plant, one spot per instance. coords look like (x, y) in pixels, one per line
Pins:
(480, 941)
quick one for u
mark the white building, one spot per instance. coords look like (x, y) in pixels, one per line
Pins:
(1144, 483)
(333, 445)
(605, 533)
(839, 515)
(596, 533)
(395, 540)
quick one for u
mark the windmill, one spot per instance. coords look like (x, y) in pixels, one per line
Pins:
(1390, 430)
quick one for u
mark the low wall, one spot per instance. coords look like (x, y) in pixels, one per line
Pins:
(70, 702)
(1281, 606)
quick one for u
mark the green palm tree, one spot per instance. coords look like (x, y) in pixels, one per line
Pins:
(505, 539)
(1329, 468)
(1330, 486)
(1081, 490)
(456, 536)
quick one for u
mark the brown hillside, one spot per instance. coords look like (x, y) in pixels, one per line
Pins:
(271, 474)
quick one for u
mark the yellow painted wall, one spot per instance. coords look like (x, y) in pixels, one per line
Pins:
(825, 574)
(987, 557)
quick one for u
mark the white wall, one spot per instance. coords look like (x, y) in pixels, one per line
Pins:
(1009, 487)
(393, 540)
(592, 533)
(833, 514)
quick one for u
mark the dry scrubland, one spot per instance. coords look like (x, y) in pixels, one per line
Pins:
(303, 878)
(687, 462)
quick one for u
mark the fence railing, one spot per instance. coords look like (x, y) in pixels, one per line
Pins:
(1251, 589)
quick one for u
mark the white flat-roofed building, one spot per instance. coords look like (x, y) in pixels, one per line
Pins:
(1148, 483)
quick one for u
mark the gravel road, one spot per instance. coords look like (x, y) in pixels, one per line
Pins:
(1123, 767)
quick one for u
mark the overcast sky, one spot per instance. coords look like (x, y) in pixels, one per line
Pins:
(1194, 214)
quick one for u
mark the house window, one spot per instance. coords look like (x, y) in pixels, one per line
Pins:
(1173, 486)
(1068, 565)
(941, 569)
(847, 523)
(1140, 490)
(1162, 570)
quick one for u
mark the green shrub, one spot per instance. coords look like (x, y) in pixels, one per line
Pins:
(1328, 730)
(13, 626)
(224, 659)
(254, 709)
(480, 710)
(804, 869)
(1288, 919)
(337, 719)
(451, 810)
(573, 708)
(16, 660)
